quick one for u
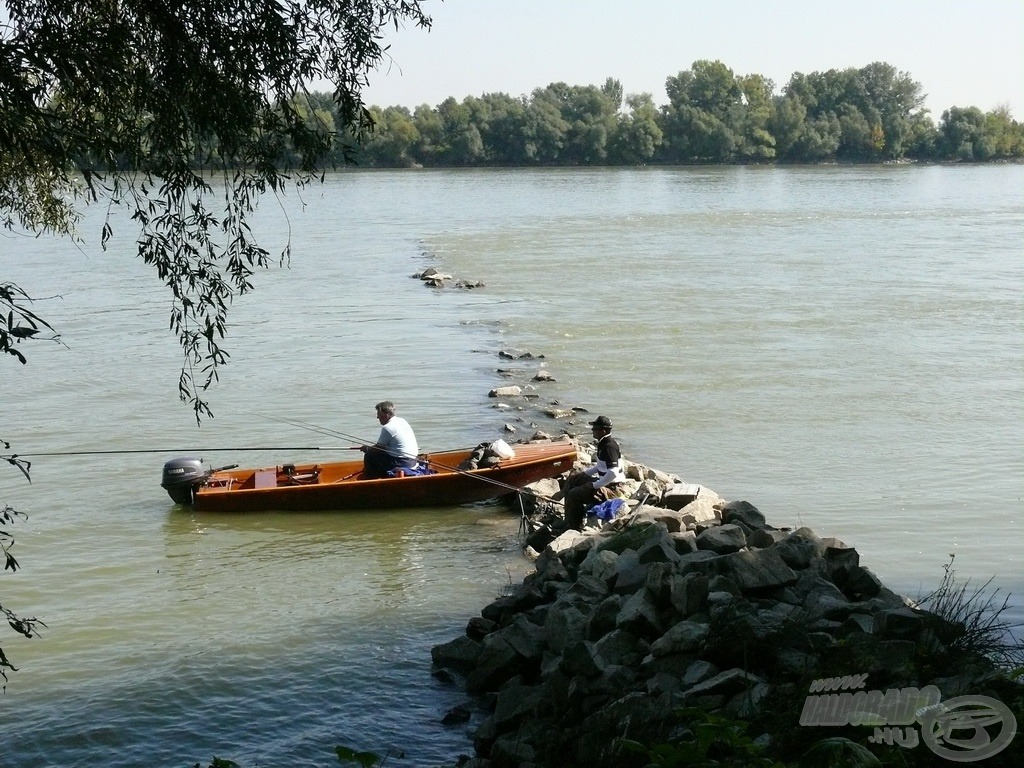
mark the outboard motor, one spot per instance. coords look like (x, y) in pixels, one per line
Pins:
(182, 477)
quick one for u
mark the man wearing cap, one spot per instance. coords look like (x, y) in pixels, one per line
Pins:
(600, 482)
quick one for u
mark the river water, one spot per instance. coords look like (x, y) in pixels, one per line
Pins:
(841, 346)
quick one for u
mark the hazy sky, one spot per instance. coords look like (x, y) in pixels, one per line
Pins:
(963, 52)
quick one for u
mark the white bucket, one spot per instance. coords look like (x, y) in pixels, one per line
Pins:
(502, 449)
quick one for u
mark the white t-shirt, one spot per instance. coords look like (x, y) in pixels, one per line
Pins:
(397, 439)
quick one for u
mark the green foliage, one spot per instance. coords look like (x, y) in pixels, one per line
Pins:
(709, 740)
(8, 516)
(18, 323)
(970, 620)
(838, 752)
(349, 756)
(185, 113)
(870, 114)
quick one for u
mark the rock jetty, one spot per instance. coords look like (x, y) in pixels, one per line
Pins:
(687, 612)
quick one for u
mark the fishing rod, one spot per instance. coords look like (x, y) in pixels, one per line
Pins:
(338, 433)
(173, 450)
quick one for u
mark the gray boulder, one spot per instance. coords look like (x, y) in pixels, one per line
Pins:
(722, 539)
(757, 570)
(684, 637)
(744, 512)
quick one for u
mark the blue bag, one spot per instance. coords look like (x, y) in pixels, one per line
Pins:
(607, 510)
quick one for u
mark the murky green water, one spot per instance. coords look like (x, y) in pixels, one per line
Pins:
(842, 347)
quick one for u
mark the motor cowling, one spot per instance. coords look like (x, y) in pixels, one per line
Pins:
(182, 477)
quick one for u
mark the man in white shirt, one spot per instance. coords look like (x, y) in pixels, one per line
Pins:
(396, 447)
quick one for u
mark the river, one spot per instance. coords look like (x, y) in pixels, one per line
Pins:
(841, 346)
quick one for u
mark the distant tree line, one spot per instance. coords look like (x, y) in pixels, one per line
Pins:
(871, 114)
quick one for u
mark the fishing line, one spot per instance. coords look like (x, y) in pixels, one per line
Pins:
(174, 450)
(295, 423)
(326, 431)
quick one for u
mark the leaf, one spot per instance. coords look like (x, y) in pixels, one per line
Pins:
(364, 759)
(838, 752)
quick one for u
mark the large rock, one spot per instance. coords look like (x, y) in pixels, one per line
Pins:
(460, 654)
(604, 617)
(727, 683)
(679, 495)
(701, 511)
(685, 637)
(800, 548)
(639, 616)
(512, 391)
(722, 539)
(840, 563)
(744, 512)
(757, 570)
(672, 520)
(619, 647)
(688, 593)
(630, 573)
(900, 623)
(507, 652)
(513, 703)
(564, 625)
(660, 549)
(601, 564)
(578, 661)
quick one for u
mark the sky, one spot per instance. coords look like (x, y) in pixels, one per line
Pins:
(963, 52)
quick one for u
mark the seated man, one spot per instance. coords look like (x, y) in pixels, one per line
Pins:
(597, 483)
(396, 447)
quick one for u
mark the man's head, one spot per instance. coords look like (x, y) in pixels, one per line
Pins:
(385, 410)
(602, 425)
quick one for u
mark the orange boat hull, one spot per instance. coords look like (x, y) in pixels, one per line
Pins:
(337, 485)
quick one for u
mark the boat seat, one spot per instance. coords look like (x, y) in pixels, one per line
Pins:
(265, 478)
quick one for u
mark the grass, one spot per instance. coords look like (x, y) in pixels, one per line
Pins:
(973, 619)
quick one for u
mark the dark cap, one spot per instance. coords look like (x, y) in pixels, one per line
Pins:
(602, 422)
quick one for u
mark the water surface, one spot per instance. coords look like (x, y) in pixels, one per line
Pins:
(840, 346)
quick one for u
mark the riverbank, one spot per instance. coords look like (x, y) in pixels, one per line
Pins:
(690, 626)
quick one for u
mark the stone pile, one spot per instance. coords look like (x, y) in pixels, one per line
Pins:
(684, 600)
(433, 278)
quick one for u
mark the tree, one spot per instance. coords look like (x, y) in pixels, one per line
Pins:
(588, 114)
(1005, 135)
(698, 120)
(819, 138)
(545, 128)
(504, 134)
(461, 143)
(8, 516)
(637, 135)
(431, 134)
(897, 98)
(153, 105)
(787, 123)
(962, 132)
(921, 137)
(392, 140)
(753, 118)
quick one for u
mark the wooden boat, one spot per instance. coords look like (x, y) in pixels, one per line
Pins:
(340, 486)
